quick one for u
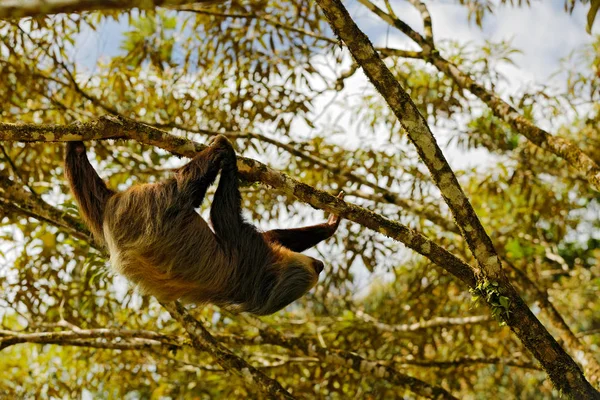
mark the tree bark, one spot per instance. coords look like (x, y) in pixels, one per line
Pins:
(37, 8)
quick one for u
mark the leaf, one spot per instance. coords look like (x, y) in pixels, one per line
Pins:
(170, 23)
(592, 15)
(514, 248)
(49, 240)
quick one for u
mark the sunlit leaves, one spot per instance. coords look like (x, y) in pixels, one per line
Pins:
(479, 8)
(275, 69)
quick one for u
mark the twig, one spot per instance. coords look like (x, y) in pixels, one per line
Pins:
(417, 326)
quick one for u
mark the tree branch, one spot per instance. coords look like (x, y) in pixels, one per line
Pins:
(81, 336)
(427, 25)
(37, 8)
(417, 326)
(123, 339)
(420, 135)
(384, 193)
(465, 361)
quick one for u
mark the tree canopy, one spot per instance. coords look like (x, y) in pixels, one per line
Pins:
(468, 260)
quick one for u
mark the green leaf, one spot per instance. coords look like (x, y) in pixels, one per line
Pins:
(592, 15)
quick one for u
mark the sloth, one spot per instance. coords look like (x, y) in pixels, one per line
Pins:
(159, 242)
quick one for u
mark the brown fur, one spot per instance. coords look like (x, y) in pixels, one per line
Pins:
(159, 242)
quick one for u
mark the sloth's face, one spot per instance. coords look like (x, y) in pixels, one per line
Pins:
(295, 275)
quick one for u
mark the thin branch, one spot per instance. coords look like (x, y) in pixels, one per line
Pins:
(393, 21)
(465, 361)
(387, 52)
(557, 145)
(390, 9)
(78, 337)
(264, 17)
(427, 25)
(588, 332)
(437, 322)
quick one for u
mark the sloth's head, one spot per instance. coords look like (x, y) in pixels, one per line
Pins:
(287, 280)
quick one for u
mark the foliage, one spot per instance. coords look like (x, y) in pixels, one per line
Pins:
(280, 73)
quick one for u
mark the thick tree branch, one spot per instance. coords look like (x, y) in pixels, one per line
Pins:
(36, 8)
(563, 371)
(420, 135)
